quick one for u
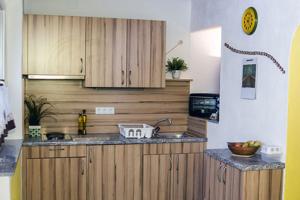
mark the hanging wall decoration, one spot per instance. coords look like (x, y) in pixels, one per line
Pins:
(249, 20)
(253, 53)
(249, 79)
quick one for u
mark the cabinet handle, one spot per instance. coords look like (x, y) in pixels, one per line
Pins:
(82, 166)
(224, 174)
(219, 173)
(130, 77)
(171, 165)
(90, 155)
(123, 73)
(177, 169)
(52, 149)
(81, 69)
(56, 149)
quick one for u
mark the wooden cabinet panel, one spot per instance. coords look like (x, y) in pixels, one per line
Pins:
(157, 177)
(56, 178)
(228, 183)
(106, 52)
(187, 177)
(145, 53)
(54, 151)
(173, 148)
(173, 176)
(158, 49)
(115, 172)
(55, 45)
(125, 53)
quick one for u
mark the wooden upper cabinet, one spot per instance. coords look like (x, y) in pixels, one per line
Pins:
(125, 53)
(145, 53)
(55, 45)
(106, 52)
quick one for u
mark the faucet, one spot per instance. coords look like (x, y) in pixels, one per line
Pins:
(157, 128)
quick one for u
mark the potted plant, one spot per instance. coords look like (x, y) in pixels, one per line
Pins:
(176, 66)
(37, 108)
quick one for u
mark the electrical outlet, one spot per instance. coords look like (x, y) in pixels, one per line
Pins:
(105, 110)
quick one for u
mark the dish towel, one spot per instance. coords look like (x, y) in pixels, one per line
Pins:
(7, 122)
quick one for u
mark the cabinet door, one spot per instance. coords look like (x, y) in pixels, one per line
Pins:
(56, 178)
(55, 45)
(214, 188)
(115, 172)
(157, 179)
(145, 53)
(106, 52)
(232, 179)
(187, 177)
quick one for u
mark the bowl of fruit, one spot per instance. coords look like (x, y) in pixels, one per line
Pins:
(244, 149)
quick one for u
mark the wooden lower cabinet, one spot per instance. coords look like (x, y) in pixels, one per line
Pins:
(223, 182)
(115, 172)
(56, 178)
(157, 174)
(173, 177)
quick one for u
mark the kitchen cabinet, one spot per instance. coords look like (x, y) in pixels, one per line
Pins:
(146, 53)
(106, 52)
(175, 173)
(125, 53)
(54, 45)
(46, 176)
(223, 182)
(115, 172)
(56, 178)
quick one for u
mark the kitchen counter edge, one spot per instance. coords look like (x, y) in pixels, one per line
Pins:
(114, 141)
(9, 156)
(257, 162)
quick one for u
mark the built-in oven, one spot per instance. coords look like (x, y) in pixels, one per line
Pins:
(204, 105)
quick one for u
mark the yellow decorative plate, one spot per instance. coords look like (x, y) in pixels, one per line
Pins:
(249, 20)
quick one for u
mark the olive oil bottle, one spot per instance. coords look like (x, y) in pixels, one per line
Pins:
(80, 124)
(84, 121)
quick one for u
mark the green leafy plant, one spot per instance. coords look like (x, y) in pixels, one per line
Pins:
(176, 64)
(37, 108)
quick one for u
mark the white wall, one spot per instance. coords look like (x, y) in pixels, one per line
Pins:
(14, 18)
(175, 12)
(14, 13)
(205, 60)
(265, 118)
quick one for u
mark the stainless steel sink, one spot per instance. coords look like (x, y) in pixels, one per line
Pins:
(173, 135)
(94, 137)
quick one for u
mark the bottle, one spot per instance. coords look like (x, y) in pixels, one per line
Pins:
(80, 124)
(84, 121)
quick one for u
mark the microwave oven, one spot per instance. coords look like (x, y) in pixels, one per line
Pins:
(204, 105)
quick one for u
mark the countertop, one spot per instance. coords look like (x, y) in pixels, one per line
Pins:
(94, 139)
(9, 155)
(257, 162)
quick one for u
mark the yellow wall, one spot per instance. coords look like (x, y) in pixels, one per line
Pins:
(16, 183)
(292, 191)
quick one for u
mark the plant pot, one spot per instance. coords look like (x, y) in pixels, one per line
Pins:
(176, 74)
(34, 131)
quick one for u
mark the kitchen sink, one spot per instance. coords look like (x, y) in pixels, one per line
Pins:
(94, 137)
(106, 137)
(173, 135)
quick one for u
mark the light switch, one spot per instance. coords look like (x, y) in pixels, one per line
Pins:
(105, 110)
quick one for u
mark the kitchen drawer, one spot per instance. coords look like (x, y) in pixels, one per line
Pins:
(58, 151)
(174, 148)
